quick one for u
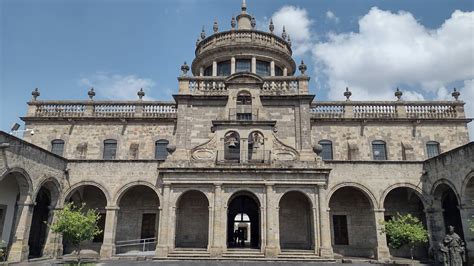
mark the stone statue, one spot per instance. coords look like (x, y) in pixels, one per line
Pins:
(452, 249)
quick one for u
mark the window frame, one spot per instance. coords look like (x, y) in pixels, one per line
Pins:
(106, 144)
(221, 67)
(240, 61)
(266, 64)
(326, 142)
(435, 144)
(162, 143)
(379, 143)
(55, 142)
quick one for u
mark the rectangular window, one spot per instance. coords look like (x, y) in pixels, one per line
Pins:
(263, 68)
(223, 68)
(379, 151)
(208, 71)
(244, 116)
(110, 149)
(57, 147)
(278, 71)
(433, 149)
(243, 65)
(326, 153)
(341, 236)
(161, 153)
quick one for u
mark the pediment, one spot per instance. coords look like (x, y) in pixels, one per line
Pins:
(243, 78)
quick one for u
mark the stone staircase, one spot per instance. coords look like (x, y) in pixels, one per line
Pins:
(243, 254)
(189, 253)
(298, 255)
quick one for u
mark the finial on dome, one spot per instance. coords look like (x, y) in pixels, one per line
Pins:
(203, 34)
(283, 33)
(215, 27)
(233, 22)
(244, 7)
(271, 27)
(198, 41)
(289, 41)
(253, 23)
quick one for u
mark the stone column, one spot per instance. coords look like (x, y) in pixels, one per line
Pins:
(232, 65)
(19, 249)
(325, 249)
(272, 247)
(214, 68)
(54, 245)
(315, 223)
(107, 250)
(219, 234)
(162, 247)
(244, 150)
(382, 252)
(285, 71)
(272, 68)
(201, 71)
(254, 65)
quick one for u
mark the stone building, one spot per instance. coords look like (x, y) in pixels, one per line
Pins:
(244, 163)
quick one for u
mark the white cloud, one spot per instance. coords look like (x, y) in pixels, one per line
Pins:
(393, 49)
(332, 17)
(467, 95)
(297, 24)
(118, 87)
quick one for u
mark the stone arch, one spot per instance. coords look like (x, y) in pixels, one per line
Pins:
(446, 182)
(240, 204)
(192, 220)
(415, 188)
(295, 216)
(353, 224)
(23, 178)
(119, 194)
(405, 199)
(244, 191)
(53, 185)
(372, 199)
(74, 187)
(96, 197)
(138, 216)
(464, 188)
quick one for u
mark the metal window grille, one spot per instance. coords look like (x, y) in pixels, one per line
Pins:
(242, 65)
(110, 149)
(379, 150)
(161, 153)
(432, 148)
(57, 147)
(263, 68)
(326, 153)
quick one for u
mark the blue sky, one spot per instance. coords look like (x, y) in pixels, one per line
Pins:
(64, 47)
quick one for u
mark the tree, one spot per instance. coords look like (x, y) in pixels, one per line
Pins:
(76, 224)
(405, 230)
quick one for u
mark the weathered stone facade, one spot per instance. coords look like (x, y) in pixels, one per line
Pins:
(244, 157)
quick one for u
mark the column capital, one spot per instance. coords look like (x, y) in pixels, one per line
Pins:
(217, 185)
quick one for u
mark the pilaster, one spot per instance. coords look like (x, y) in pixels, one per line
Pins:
(107, 250)
(19, 249)
(382, 252)
(162, 248)
(218, 240)
(325, 249)
(272, 247)
(54, 245)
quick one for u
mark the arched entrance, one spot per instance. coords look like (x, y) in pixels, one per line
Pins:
(446, 200)
(192, 220)
(93, 198)
(295, 219)
(138, 218)
(243, 215)
(405, 200)
(39, 228)
(15, 188)
(352, 223)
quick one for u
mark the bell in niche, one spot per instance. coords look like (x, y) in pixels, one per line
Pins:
(232, 142)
